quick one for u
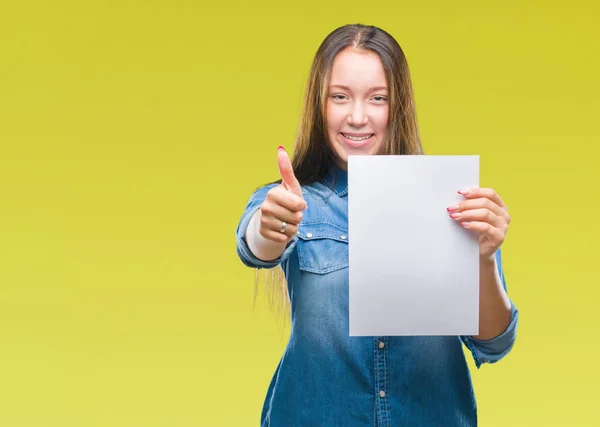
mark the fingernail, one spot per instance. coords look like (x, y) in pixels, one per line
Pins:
(281, 147)
(455, 215)
(463, 192)
(465, 224)
(452, 208)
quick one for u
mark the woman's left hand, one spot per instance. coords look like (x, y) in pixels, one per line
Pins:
(485, 213)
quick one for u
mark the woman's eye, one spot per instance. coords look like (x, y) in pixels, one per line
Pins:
(338, 97)
(380, 98)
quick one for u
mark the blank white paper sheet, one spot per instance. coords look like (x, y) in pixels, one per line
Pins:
(413, 269)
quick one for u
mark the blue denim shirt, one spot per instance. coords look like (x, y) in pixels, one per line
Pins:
(327, 378)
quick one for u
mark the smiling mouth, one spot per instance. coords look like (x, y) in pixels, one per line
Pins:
(357, 137)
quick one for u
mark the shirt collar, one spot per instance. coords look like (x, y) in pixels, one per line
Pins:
(337, 180)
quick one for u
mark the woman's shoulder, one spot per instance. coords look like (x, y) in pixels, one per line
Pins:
(323, 205)
(317, 196)
(316, 190)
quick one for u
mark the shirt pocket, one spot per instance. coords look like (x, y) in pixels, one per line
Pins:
(322, 247)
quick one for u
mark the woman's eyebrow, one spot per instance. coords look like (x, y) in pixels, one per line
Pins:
(348, 89)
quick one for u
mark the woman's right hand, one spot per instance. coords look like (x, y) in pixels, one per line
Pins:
(283, 204)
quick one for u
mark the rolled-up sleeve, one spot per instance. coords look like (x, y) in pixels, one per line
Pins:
(491, 351)
(243, 251)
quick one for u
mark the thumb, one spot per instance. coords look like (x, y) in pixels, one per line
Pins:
(287, 172)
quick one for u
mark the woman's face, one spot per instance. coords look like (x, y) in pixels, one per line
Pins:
(357, 105)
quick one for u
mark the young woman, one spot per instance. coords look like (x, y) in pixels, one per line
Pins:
(359, 100)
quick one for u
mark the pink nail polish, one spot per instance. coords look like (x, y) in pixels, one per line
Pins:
(281, 147)
(463, 192)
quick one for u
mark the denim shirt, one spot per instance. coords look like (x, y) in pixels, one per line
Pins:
(327, 378)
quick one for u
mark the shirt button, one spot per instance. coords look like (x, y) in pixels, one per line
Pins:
(382, 393)
(381, 344)
(309, 235)
(343, 237)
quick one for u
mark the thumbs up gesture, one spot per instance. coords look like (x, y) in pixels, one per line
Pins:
(281, 212)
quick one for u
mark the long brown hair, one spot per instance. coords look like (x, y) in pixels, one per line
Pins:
(312, 155)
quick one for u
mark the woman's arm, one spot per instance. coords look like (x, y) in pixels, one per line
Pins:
(494, 305)
(484, 212)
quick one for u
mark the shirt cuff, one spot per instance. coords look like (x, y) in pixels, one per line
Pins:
(491, 351)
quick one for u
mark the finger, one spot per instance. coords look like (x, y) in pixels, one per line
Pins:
(480, 215)
(474, 193)
(275, 236)
(280, 213)
(287, 172)
(276, 225)
(287, 199)
(480, 203)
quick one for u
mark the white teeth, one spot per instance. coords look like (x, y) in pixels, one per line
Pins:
(354, 138)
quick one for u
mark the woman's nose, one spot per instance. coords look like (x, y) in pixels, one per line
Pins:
(357, 116)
